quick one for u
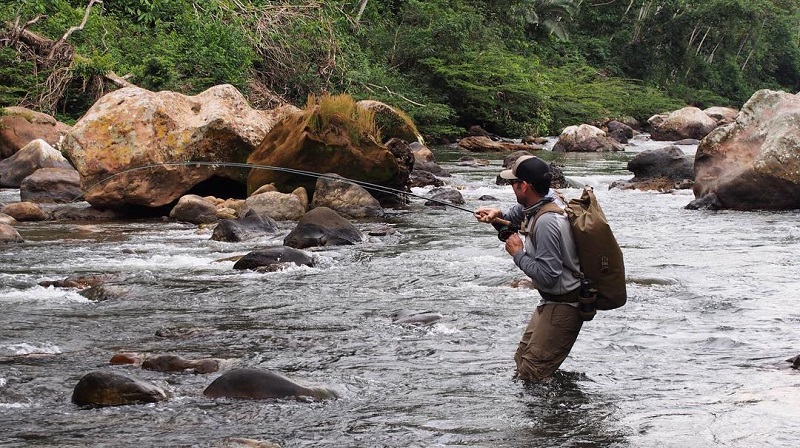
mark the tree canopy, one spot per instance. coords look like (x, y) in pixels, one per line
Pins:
(515, 67)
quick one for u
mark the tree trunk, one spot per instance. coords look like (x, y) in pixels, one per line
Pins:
(361, 7)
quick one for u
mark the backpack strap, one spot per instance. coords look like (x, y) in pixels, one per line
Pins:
(553, 208)
(546, 208)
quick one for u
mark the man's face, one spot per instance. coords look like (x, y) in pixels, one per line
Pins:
(519, 190)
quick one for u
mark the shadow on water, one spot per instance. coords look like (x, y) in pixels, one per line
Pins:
(560, 413)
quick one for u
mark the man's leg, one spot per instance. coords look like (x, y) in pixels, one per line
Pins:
(547, 341)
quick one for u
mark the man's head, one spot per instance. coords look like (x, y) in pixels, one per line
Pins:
(531, 170)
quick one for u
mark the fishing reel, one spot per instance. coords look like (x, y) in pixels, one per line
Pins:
(505, 229)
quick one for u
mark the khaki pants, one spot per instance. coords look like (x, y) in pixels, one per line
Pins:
(550, 335)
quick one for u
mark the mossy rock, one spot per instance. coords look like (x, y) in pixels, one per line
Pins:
(334, 136)
(392, 122)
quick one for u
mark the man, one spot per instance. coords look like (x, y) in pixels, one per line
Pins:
(549, 257)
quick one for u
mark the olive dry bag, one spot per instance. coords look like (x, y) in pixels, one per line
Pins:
(598, 250)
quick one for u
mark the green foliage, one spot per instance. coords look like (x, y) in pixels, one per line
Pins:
(96, 64)
(730, 47)
(330, 113)
(580, 94)
(140, 12)
(208, 53)
(502, 64)
(16, 78)
(551, 15)
(499, 91)
(157, 73)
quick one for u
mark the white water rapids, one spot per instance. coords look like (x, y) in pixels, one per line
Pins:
(696, 357)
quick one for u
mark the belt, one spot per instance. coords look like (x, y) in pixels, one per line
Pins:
(569, 297)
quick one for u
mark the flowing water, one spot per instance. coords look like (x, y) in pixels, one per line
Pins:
(696, 357)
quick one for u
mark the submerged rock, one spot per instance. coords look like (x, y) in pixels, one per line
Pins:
(416, 317)
(103, 388)
(322, 227)
(274, 258)
(78, 281)
(252, 225)
(9, 234)
(175, 363)
(262, 384)
(240, 442)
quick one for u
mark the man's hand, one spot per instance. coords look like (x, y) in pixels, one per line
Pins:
(514, 244)
(487, 214)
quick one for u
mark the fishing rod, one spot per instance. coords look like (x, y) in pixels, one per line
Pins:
(505, 228)
(361, 183)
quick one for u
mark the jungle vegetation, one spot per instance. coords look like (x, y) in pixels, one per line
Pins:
(514, 67)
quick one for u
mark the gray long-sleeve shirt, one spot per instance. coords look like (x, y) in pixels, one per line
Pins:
(549, 257)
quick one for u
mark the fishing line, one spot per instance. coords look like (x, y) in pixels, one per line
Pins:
(363, 184)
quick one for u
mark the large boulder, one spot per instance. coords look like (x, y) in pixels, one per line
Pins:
(133, 127)
(754, 162)
(689, 122)
(723, 115)
(659, 169)
(51, 185)
(322, 227)
(334, 136)
(20, 126)
(585, 138)
(267, 201)
(35, 155)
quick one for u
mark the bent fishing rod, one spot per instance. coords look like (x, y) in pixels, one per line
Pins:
(366, 185)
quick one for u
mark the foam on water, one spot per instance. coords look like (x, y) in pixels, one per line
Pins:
(41, 294)
(29, 348)
(14, 405)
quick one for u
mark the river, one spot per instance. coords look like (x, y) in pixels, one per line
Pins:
(696, 357)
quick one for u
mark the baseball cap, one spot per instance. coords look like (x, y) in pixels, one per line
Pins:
(532, 170)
